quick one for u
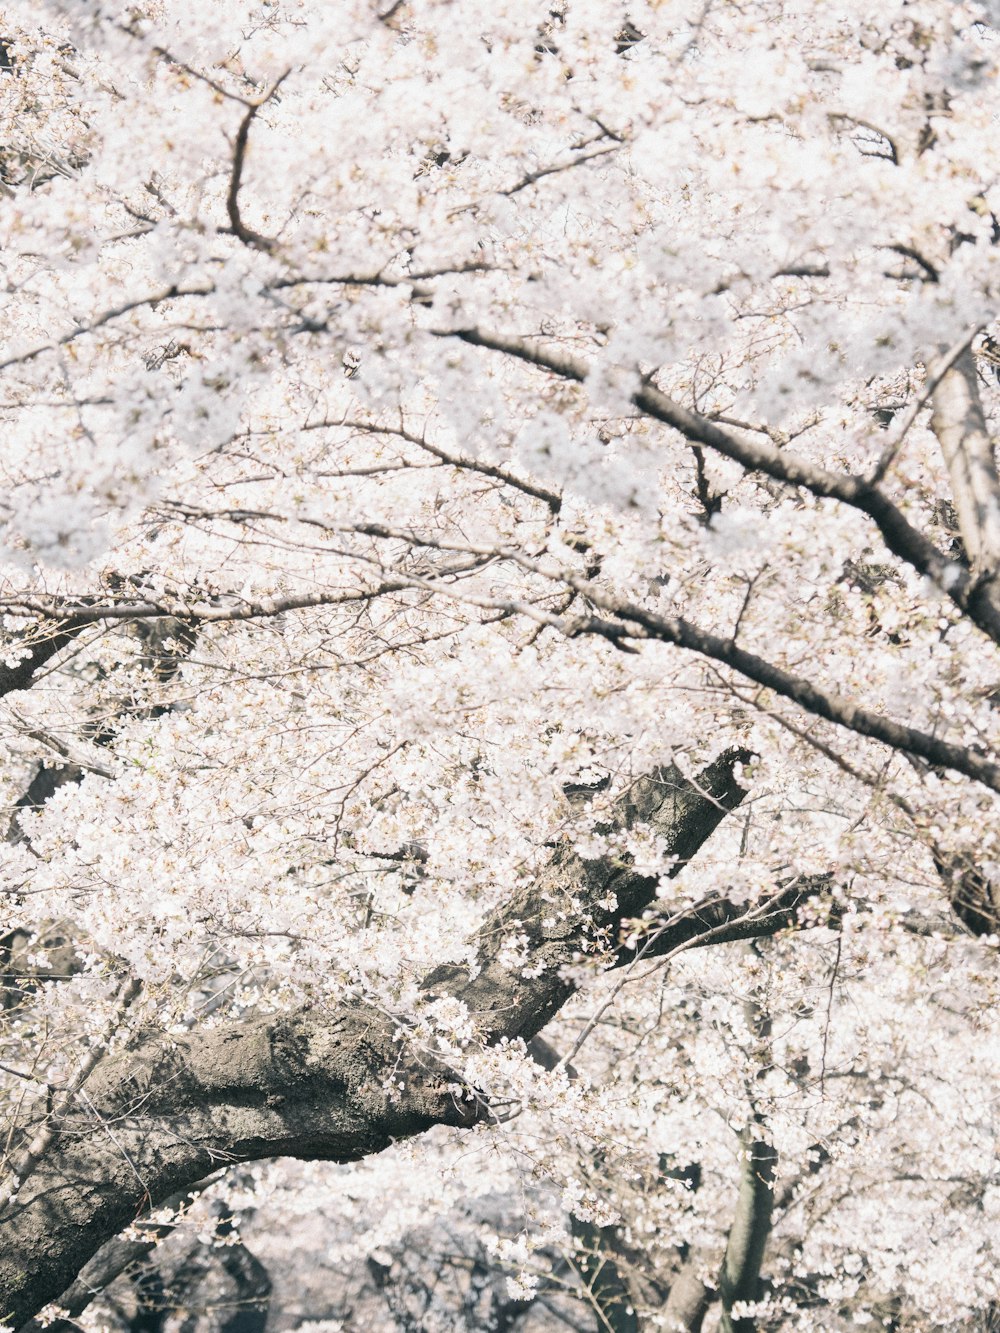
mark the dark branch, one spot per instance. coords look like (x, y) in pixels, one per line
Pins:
(976, 599)
(244, 233)
(33, 649)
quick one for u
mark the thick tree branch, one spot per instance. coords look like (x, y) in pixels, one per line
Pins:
(113, 1259)
(160, 1118)
(690, 1296)
(739, 1281)
(322, 1085)
(33, 649)
(959, 423)
(559, 935)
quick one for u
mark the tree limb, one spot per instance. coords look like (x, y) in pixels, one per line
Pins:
(739, 1281)
(322, 1084)
(959, 423)
(690, 1296)
(558, 935)
(820, 703)
(33, 649)
(119, 1255)
(246, 234)
(976, 599)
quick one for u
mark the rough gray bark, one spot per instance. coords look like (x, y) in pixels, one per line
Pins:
(739, 1280)
(33, 650)
(561, 934)
(319, 1084)
(690, 1296)
(162, 1117)
(959, 423)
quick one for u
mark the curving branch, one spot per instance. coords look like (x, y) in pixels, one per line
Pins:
(240, 230)
(974, 597)
(625, 625)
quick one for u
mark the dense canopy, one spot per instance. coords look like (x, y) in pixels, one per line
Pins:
(500, 567)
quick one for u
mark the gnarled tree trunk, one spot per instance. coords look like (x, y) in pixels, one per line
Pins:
(316, 1084)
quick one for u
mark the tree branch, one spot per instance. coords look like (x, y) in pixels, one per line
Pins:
(241, 231)
(90, 611)
(690, 1296)
(959, 423)
(551, 498)
(33, 649)
(720, 921)
(27, 1161)
(105, 317)
(977, 600)
(739, 1280)
(819, 702)
(121, 1253)
(322, 1084)
(558, 935)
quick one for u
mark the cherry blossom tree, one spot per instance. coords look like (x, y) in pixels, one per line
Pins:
(500, 545)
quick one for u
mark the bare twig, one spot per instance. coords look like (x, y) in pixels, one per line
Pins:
(542, 172)
(552, 498)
